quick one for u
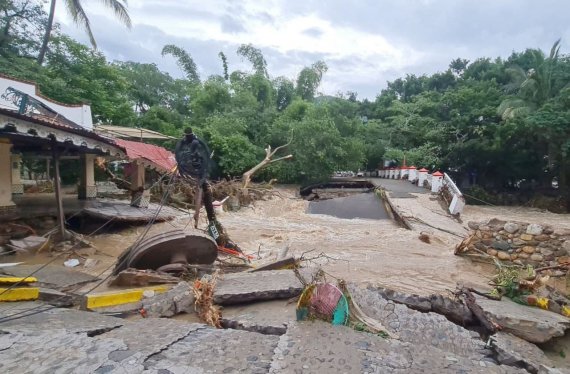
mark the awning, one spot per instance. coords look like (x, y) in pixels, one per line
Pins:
(149, 155)
(130, 132)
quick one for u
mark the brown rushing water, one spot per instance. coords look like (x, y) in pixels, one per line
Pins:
(359, 250)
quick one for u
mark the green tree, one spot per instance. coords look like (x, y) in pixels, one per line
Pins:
(309, 80)
(184, 61)
(75, 9)
(255, 57)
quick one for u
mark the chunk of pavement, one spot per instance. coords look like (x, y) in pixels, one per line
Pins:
(529, 323)
(44, 350)
(514, 351)
(144, 338)
(51, 276)
(56, 318)
(416, 302)
(210, 350)
(55, 297)
(319, 347)
(179, 299)
(28, 244)
(238, 288)
(276, 265)
(268, 317)
(137, 278)
(414, 326)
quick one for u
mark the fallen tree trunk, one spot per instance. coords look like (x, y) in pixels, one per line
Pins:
(488, 324)
(265, 162)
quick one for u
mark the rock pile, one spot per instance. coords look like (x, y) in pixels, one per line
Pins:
(518, 242)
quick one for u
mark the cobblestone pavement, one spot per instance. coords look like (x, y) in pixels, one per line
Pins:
(70, 341)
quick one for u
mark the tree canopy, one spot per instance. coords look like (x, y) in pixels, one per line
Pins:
(502, 123)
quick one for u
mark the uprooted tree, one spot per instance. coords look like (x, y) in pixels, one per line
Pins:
(268, 160)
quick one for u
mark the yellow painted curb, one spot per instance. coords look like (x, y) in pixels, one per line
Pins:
(106, 299)
(12, 280)
(19, 294)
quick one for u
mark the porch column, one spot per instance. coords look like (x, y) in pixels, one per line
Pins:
(17, 186)
(87, 188)
(6, 203)
(139, 196)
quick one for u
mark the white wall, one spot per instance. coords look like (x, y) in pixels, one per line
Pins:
(80, 114)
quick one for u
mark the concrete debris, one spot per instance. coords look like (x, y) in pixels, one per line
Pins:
(529, 323)
(56, 298)
(71, 320)
(28, 244)
(239, 288)
(284, 263)
(269, 317)
(138, 278)
(51, 276)
(179, 299)
(414, 326)
(514, 351)
(90, 262)
(455, 311)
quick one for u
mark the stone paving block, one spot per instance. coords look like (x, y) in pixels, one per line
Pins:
(318, 347)
(51, 276)
(239, 288)
(269, 317)
(55, 351)
(413, 326)
(514, 351)
(211, 350)
(529, 323)
(144, 338)
(56, 318)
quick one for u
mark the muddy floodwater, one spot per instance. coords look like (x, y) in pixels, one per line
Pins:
(357, 249)
(362, 205)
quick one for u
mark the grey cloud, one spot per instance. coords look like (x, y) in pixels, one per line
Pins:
(315, 32)
(438, 30)
(232, 25)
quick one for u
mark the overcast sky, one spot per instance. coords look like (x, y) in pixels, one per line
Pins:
(364, 42)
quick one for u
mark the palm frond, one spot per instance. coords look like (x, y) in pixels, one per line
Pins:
(555, 49)
(120, 10)
(184, 61)
(509, 107)
(80, 18)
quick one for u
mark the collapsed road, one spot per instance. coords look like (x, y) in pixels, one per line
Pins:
(261, 338)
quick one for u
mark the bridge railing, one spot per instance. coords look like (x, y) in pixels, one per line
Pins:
(437, 182)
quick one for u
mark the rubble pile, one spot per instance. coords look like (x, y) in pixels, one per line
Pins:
(518, 242)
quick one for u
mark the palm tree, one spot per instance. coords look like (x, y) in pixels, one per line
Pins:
(75, 9)
(534, 87)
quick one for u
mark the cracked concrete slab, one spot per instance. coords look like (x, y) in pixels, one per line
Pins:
(318, 347)
(51, 276)
(55, 318)
(55, 351)
(210, 350)
(143, 339)
(239, 288)
(269, 317)
(514, 351)
(414, 326)
(529, 323)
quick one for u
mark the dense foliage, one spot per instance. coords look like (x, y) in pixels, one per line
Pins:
(501, 124)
